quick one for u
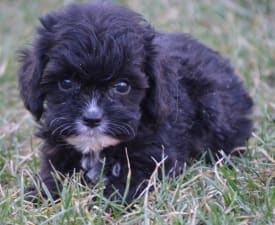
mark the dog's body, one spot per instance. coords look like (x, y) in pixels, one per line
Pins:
(105, 86)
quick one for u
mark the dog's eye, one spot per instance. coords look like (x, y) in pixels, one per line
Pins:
(67, 85)
(122, 88)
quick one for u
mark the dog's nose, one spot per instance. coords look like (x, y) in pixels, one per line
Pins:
(92, 118)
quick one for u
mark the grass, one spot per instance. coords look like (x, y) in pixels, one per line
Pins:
(232, 191)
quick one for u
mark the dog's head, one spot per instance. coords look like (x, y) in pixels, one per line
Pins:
(91, 75)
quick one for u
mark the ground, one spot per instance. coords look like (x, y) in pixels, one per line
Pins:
(232, 191)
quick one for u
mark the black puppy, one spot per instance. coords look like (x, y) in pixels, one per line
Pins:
(103, 85)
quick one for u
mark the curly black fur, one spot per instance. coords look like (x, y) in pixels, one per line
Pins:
(103, 84)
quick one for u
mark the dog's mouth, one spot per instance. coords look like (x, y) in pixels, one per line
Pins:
(90, 139)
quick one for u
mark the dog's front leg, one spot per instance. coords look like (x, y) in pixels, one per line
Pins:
(128, 172)
(123, 184)
(56, 161)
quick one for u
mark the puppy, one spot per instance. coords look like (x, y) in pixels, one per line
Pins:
(112, 94)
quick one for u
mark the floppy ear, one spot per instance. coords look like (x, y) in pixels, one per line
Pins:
(29, 82)
(33, 61)
(157, 100)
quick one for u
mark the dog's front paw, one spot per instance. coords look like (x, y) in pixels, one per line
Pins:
(95, 168)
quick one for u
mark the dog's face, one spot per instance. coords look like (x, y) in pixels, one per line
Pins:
(89, 77)
(93, 110)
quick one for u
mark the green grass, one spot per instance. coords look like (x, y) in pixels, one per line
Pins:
(233, 191)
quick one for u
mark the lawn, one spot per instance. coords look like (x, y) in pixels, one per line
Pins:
(231, 191)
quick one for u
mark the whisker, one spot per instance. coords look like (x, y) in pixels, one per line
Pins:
(65, 129)
(59, 127)
(122, 127)
(55, 120)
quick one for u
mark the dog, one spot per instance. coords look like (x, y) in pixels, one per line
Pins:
(110, 93)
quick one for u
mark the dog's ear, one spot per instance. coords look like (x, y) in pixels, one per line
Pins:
(156, 102)
(30, 74)
(33, 61)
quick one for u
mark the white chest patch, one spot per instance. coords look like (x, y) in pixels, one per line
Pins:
(91, 143)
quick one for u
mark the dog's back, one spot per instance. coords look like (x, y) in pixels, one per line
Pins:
(207, 94)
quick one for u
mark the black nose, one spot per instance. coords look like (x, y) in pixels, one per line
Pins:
(92, 118)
